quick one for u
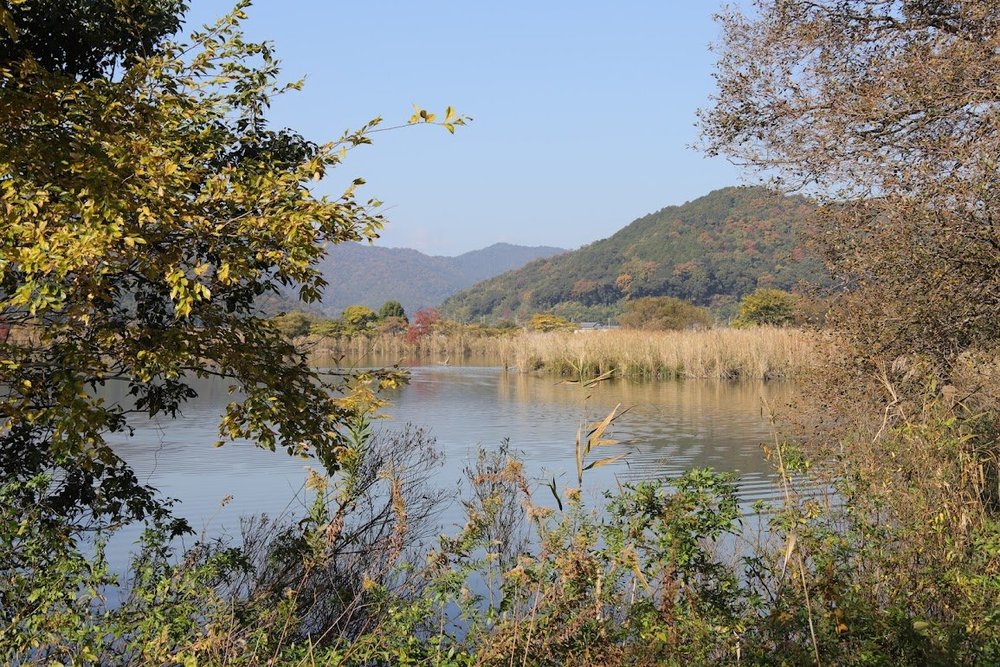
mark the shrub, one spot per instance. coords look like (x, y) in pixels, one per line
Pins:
(663, 313)
(548, 322)
(766, 306)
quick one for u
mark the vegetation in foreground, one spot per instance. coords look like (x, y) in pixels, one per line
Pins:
(148, 207)
(669, 572)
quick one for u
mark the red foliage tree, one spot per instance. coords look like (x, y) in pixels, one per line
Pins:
(423, 322)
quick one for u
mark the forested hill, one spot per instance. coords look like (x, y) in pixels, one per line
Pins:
(711, 251)
(372, 275)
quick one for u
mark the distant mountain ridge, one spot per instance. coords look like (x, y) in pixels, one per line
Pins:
(370, 275)
(712, 251)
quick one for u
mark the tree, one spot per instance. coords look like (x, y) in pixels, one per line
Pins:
(146, 205)
(327, 328)
(423, 324)
(392, 309)
(766, 306)
(293, 324)
(887, 111)
(549, 322)
(85, 40)
(663, 313)
(393, 325)
(358, 318)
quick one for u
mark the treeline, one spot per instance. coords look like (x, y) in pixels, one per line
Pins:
(362, 322)
(762, 307)
(660, 337)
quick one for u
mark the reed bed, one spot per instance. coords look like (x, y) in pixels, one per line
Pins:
(440, 348)
(764, 353)
(744, 354)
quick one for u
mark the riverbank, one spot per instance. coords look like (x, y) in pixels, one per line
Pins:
(762, 353)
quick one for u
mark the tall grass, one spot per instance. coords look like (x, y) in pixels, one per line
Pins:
(746, 354)
(455, 347)
(763, 353)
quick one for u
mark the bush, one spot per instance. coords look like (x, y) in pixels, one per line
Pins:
(663, 313)
(663, 573)
(766, 306)
(549, 322)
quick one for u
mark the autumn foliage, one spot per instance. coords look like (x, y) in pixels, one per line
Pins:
(422, 324)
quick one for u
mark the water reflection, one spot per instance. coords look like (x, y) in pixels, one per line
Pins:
(670, 426)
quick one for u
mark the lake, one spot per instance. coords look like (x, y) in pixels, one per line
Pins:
(670, 426)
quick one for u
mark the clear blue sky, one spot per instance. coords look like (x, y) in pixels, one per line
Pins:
(583, 111)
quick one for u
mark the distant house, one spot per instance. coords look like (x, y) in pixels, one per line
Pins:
(587, 327)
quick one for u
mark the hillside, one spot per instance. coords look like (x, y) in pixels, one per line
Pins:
(372, 275)
(711, 251)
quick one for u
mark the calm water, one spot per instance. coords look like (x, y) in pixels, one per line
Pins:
(671, 426)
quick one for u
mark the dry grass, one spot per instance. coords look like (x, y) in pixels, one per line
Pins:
(762, 353)
(386, 349)
(748, 354)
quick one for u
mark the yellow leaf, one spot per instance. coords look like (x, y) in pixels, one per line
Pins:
(789, 548)
(418, 114)
(606, 461)
(598, 428)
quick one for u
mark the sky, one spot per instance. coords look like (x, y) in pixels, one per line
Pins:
(583, 112)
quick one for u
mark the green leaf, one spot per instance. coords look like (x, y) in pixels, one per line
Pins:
(555, 493)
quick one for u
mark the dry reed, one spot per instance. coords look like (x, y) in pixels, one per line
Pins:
(747, 354)
(762, 353)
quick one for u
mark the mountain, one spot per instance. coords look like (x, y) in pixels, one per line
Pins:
(712, 251)
(371, 275)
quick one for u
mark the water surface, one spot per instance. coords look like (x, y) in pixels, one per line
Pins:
(670, 426)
